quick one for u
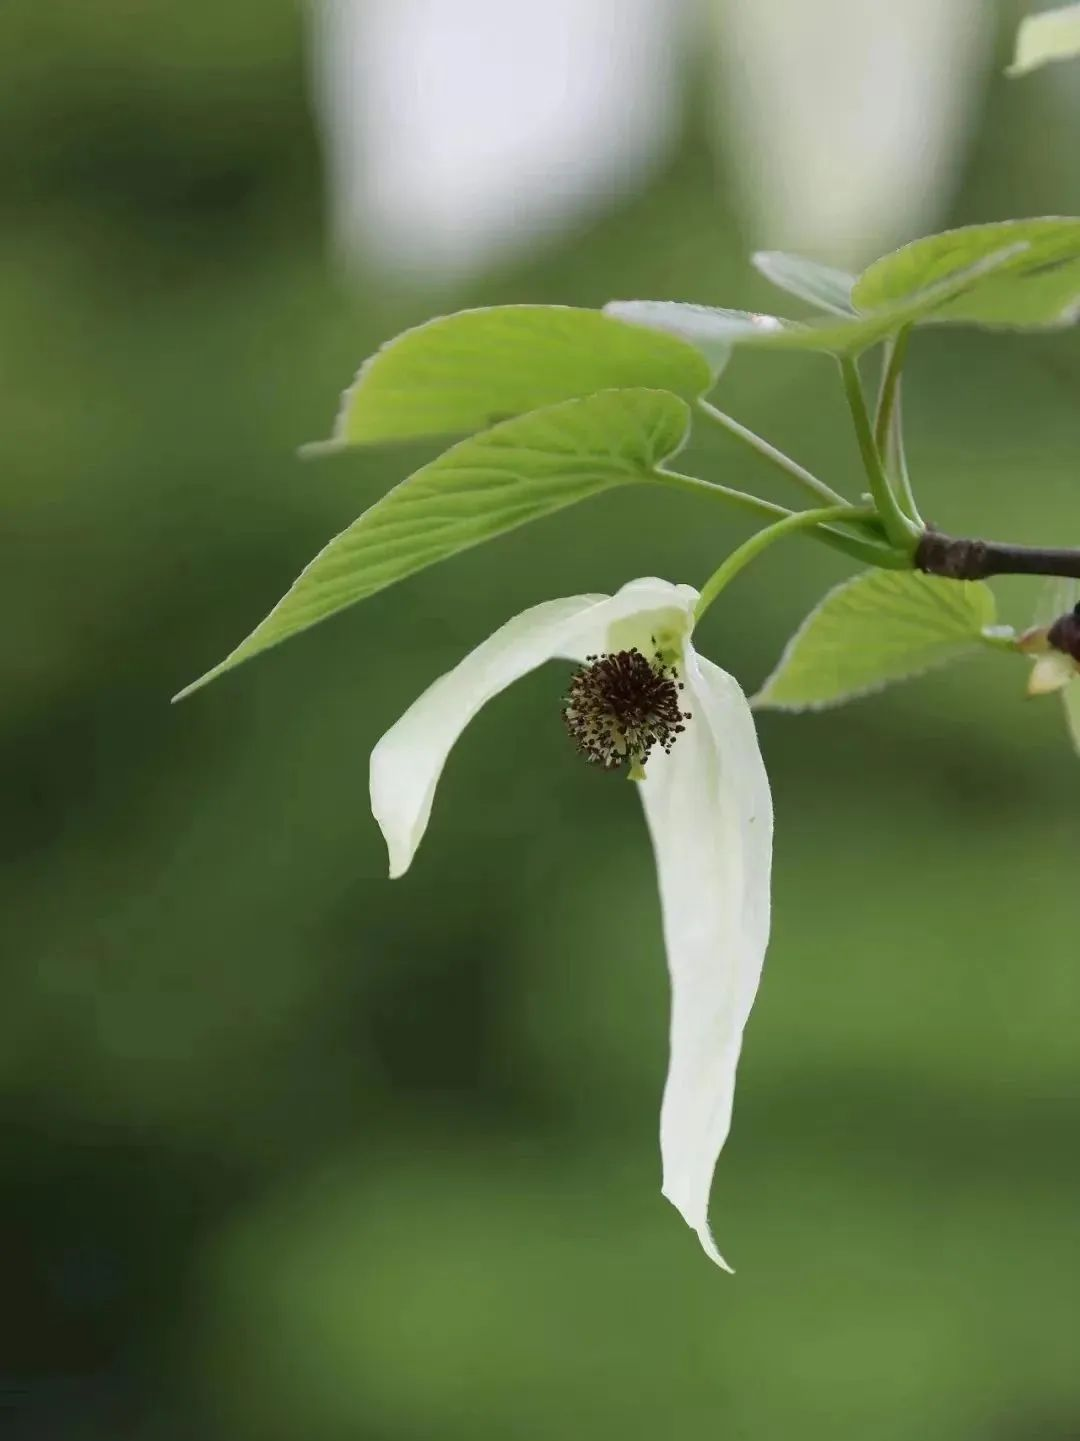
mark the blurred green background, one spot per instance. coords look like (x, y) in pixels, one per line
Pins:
(289, 1151)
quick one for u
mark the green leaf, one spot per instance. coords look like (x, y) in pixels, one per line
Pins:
(462, 373)
(716, 331)
(881, 626)
(1037, 286)
(1050, 35)
(817, 284)
(516, 472)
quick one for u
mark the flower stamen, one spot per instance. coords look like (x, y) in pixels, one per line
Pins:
(621, 706)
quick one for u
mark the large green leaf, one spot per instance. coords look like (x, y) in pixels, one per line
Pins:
(1037, 286)
(1050, 35)
(717, 331)
(464, 372)
(879, 627)
(516, 472)
(817, 284)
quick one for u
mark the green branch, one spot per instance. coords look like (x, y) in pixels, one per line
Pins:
(888, 423)
(869, 547)
(752, 548)
(901, 531)
(740, 498)
(889, 394)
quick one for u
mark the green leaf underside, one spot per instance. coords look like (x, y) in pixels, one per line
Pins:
(712, 329)
(817, 284)
(1050, 35)
(880, 627)
(518, 471)
(465, 372)
(1036, 287)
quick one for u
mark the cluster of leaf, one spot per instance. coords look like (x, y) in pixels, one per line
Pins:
(557, 404)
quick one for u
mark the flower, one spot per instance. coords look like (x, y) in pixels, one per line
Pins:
(644, 700)
(1055, 646)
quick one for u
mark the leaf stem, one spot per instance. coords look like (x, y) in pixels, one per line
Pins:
(760, 446)
(896, 461)
(752, 548)
(740, 498)
(1001, 637)
(901, 531)
(895, 353)
(868, 550)
(888, 423)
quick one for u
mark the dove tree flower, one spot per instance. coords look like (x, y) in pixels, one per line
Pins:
(557, 405)
(646, 702)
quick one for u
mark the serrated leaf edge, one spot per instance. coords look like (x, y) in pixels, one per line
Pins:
(237, 657)
(1066, 317)
(338, 439)
(760, 701)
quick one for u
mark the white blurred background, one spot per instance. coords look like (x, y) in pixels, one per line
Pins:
(458, 132)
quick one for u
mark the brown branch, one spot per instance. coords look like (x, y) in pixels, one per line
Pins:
(959, 559)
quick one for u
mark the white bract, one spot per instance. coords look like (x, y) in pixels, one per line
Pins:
(1051, 643)
(1052, 670)
(709, 812)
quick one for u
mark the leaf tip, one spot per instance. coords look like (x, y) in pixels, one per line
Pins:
(193, 686)
(319, 449)
(212, 674)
